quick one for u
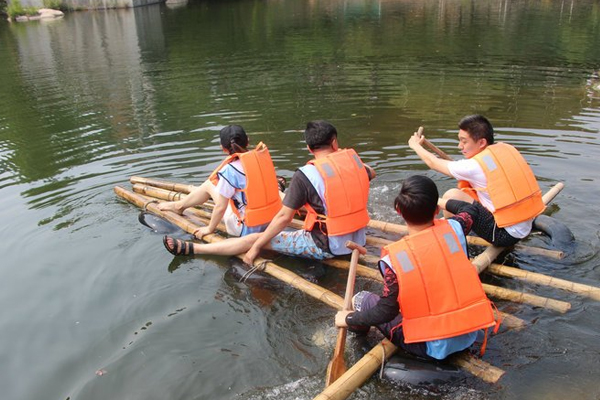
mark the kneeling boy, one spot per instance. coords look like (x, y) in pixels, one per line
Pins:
(433, 303)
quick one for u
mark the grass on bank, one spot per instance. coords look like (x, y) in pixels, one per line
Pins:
(15, 9)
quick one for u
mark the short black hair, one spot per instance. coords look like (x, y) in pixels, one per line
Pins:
(234, 139)
(478, 127)
(417, 200)
(319, 134)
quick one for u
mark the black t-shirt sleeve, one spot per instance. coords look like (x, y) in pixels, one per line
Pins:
(296, 195)
(301, 192)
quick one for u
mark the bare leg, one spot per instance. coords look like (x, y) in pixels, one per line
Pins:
(453, 194)
(227, 247)
(197, 197)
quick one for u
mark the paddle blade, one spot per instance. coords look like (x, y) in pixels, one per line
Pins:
(337, 365)
(335, 369)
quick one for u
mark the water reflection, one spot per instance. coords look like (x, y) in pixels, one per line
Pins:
(99, 96)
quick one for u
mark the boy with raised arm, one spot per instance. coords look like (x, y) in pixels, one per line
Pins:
(494, 177)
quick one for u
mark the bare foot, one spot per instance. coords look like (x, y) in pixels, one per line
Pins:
(170, 206)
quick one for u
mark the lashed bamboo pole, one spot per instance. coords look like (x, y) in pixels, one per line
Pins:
(270, 268)
(159, 183)
(398, 229)
(592, 292)
(346, 384)
(483, 260)
(526, 298)
(273, 269)
(497, 292)
(169, 195)
(161, 190)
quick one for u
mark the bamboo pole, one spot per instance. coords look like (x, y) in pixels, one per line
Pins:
(346, 384)
(270, 268)
(159, 183)
(483, 260)
(364, 271)
(592, 292)
(527, 298)
(360, 372)
(159, 189)
(163, 194)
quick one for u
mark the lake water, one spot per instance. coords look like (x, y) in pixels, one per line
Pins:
(89, 100)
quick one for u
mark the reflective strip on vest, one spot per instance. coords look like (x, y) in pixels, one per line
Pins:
(440, 292)
(345, 215)
(343, 185)
(511, 184)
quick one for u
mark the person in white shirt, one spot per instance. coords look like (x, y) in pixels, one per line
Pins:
(475, 135)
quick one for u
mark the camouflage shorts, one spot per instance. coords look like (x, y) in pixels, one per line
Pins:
(298, 243)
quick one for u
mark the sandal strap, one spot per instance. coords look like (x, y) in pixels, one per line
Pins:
(180, 247)
(189, 248)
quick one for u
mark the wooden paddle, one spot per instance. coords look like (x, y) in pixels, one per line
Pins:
(433, 147)
(337, 365)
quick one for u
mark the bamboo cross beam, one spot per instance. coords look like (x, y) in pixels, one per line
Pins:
(494, 291)
(526, 298)
(159, 190)
(593, 292)
(483, 260)
(399, 229)
(159, 183)
(270, 268)
(360, 372)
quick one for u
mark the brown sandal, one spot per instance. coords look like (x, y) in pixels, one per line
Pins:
(181, 247)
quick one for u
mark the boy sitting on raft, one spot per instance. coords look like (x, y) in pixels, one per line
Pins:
(494, 177)
(244, 188)
(334, 188)
(433, 303)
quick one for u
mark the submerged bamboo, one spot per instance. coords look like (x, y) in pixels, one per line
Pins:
(495, 291)
(159, 189)
(360, 372)
(268, 267)
(483, 260)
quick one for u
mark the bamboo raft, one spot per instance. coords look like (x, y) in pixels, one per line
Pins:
(147, 192)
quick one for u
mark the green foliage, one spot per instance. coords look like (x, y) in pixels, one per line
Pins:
(16, 9)
(54, 4)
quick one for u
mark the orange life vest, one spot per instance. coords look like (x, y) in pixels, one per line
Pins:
(511, 184)
(440, 292)
(262, 190)
(346, 193)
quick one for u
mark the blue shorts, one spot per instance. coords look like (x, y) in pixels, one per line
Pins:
(298, 243)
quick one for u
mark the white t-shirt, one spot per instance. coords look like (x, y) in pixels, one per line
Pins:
(469, 170)
(232, 177)
(224, 188)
